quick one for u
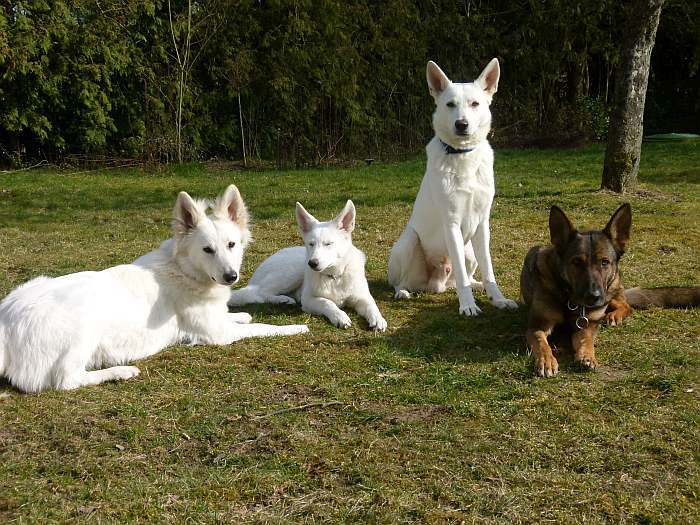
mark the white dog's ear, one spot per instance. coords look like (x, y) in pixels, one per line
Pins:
(437, 80)
(488, 79)
(346, 218)
(186, 214)
(230, 205)
(305, 220)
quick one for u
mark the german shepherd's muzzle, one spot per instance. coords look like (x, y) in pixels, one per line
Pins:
(575, 282)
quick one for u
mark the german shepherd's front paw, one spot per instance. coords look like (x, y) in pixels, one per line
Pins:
(615, 317)
(586, 362)
(546, 365)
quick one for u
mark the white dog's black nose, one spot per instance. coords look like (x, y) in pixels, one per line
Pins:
(461, 125)
(313, 263)
(230, 277)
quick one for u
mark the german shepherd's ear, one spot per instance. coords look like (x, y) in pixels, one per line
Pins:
(619, 226)
(560, 228)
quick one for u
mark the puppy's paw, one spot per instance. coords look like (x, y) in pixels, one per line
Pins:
(378, 323)
(341, 320)
(402, 294)
(546, 365)
(241, 317)
(504, 303)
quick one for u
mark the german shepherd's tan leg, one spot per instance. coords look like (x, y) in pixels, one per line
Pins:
(618, 309)
(545, 363)
(584, 352)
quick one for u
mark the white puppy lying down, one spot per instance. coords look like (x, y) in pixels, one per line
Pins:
(58, 332)
(326, 274)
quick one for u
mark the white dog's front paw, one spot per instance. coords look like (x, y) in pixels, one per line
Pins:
(340, 319)
(294, 329)
(470, 310)
(241, 317)
(125, 372)
(402, 294)
(377, 323)
(503, 303)
(467, 305)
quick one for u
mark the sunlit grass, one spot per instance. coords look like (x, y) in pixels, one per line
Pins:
(439, 420)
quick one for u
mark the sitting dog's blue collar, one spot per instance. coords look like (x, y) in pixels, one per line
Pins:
(454, 151)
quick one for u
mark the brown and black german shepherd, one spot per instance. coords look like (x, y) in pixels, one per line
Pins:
(575, 283)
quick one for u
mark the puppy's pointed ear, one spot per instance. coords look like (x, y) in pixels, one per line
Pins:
(186, 214)
(437, 80)
(230, 205)
(305, 220)
(560, 228)
(488, 79)
(619, 226)
(346, 218)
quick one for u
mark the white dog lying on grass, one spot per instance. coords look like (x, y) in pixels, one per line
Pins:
(324, 275)
(58, 332)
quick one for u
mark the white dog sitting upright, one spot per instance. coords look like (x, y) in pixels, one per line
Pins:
(58, 332)
(451, 212)
(324, 275)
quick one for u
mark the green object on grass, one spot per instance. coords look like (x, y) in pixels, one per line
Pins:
(667, 137)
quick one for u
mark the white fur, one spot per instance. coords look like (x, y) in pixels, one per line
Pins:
(448, 232)
(60, 332)
(324, 275)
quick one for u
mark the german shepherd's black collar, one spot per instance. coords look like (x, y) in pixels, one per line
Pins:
(576, 282)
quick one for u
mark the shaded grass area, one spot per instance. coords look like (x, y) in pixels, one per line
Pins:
(438, 421)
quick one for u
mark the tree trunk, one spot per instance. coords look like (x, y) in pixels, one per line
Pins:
(240, 119)
(626, 121)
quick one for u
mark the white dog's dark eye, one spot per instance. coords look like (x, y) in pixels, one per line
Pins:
(451, 104)
(208, 249)
(475, 104)
(231, 244)
(312, 244)
(327, 243)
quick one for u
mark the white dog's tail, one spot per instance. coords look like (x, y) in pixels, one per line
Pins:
(246, 295)
(2, 351)
(254, 294)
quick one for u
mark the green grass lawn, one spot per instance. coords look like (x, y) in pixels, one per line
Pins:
(439, 420)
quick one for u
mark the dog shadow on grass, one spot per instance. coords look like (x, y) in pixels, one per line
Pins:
(430, 326)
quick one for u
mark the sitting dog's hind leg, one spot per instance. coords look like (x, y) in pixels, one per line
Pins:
(471, 265)
(407, 267)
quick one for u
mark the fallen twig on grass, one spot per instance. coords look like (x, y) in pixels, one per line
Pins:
(320, 404)
(42, 163)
